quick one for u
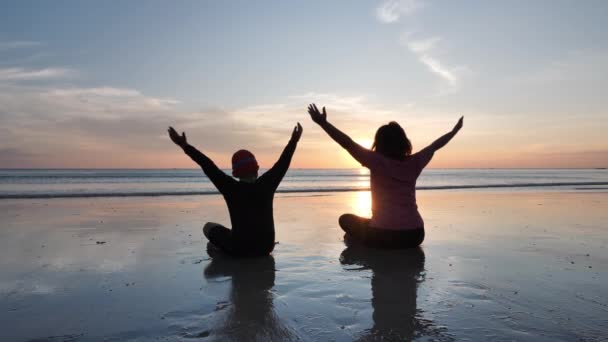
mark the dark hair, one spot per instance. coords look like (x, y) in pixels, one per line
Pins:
(391, 141)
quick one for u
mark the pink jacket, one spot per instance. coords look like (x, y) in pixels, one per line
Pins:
(393, 187)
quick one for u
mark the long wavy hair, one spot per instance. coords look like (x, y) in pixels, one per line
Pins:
(392, 142)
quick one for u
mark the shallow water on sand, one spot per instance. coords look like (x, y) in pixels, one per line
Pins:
(494, 266)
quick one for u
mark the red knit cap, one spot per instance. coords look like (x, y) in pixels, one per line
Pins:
(244, 164)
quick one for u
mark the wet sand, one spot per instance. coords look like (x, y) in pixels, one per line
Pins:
(498, 266)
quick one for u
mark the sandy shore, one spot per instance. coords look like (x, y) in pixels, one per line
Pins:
(499, 266)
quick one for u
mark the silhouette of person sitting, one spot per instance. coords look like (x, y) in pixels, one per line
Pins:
(395, 222)
(249, 199)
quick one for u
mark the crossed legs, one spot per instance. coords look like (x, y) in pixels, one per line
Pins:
(359, 229)
(354, 226)
(218, 235)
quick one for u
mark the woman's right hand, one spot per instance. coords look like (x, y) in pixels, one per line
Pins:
(316, 116)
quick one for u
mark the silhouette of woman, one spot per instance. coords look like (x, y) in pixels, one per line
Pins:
(395, 222)
(396, 275)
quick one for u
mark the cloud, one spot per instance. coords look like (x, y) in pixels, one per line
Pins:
(421, 46)
(335, 101)
(49, 126)
(105, 102)
(109, 126)
(18, 45)
(426, 52)
(68, 119)
(391, 11)
(100, 91)
(435, 66)
(21, 74)
(60, 104)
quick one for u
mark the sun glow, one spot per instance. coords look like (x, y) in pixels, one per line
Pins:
(367, 143)
(362, 204)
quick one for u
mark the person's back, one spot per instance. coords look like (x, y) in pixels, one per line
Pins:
(393, 190)
(250, 205)
(249, 199)
(396, 222)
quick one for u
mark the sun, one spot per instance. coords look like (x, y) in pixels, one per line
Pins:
(367, 143)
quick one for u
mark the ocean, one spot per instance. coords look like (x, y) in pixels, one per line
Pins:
(58, 183)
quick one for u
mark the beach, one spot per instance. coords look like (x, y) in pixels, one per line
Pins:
(130, 129)
(495, 265)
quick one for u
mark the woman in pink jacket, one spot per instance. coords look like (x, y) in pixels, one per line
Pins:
(395, 222)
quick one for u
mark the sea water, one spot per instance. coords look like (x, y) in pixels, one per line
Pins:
(50, 183)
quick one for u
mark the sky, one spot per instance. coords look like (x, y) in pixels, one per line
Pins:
(96, 84)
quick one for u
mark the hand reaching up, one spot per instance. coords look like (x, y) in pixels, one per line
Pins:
(297, 133)
(179, 140)
(458, 124)
(315, 115)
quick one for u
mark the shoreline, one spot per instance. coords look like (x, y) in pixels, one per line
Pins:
(530, 186)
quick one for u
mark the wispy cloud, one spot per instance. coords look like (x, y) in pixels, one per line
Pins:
(435, 66)
(21, 74)
(18, 45)
(426, 52)
(421, 46)
(81, 126)
(99, 91)
(24, 104)
(109, 126)
(392, 10)
(338, 102)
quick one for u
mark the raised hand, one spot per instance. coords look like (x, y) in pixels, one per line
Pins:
(179, 140)
(315, 115)
(458, 124)
(297, 133)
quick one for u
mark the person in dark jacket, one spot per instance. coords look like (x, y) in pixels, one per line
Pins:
(249, 198)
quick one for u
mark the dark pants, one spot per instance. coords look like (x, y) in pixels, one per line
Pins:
(222, 238)
(359, 229)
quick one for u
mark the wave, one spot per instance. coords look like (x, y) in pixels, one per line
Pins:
(304, 190)
(162, 176)
(142, 178)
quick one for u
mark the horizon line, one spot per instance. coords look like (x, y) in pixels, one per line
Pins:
(305, 168)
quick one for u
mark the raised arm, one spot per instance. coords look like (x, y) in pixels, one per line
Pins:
(215, 175)
(278, 170)
(444, 139)
(357, 151)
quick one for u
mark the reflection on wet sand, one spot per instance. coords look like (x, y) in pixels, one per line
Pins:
(251, 315)
(396, 275)
(499, 265)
